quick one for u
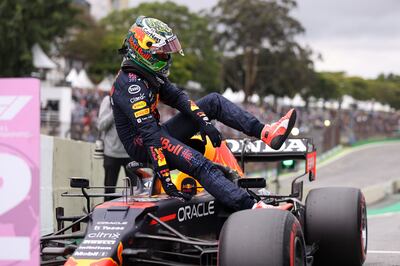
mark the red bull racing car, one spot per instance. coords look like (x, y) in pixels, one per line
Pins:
(146, 227)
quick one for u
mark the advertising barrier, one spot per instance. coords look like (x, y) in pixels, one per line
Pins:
(19, 171)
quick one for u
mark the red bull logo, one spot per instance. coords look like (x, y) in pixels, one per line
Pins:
(166, 145)
(158, 156)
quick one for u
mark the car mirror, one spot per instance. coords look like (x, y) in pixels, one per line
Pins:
(297, 190)
(133, 166)
(79, 182)
(258, 182)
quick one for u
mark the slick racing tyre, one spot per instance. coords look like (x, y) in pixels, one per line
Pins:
(261, 237)
(336, 220)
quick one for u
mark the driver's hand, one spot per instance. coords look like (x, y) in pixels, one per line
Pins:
(170, 188)
(213, 133)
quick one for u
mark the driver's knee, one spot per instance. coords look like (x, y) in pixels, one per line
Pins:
(211, 104)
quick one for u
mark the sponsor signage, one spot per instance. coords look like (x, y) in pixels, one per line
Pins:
(133, 89)
(138, 98)
(101, 239)
(199, 210)
(290, 145)
(19, 171)
(142, 112)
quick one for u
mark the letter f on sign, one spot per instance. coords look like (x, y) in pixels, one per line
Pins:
(10, 106)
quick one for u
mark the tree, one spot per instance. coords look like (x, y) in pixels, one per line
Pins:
(285, 72)
(386, 91)
(389, 77)
(252, 30)
(329, 85)
(24, 23)
(280, 73)
(200, 62)
(95, 47)
(333, 85)
(358, 88)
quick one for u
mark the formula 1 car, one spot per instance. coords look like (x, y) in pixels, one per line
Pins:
(146, 227)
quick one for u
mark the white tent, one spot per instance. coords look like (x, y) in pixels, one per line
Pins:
(285, 101)
(234, 96)
(40, 59)
(238, 96)
(83, 81)
(106, 84)
(298, 101)
(347, 102)
(193, 85)
(72, 75)
(269, 99)
(254, 98)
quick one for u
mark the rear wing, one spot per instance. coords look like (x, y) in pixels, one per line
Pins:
(246, 150)
(257, 150)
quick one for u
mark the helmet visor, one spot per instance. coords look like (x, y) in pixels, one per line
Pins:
(170, 46)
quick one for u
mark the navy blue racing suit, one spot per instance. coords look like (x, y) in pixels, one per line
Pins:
(134, 103)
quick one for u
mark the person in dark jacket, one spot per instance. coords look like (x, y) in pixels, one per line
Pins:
(142, 83)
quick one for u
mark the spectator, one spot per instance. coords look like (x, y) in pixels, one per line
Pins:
(115, 155)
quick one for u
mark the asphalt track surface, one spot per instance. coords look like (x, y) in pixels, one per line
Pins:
(371, 165)
(384, 232)
(368, 165)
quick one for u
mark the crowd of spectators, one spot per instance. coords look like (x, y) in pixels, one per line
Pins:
(328, 127)
(345, 126)
(86, 104)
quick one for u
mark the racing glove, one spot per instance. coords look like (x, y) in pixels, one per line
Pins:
(161, 169)
(206, 127)
(213, 133)
(171, 189)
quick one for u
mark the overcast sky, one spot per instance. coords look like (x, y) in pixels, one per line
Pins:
(361, 37)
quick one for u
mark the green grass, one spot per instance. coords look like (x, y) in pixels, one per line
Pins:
(374, 140)
(391, 208)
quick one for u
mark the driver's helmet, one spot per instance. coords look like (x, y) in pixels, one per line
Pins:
(150, 43)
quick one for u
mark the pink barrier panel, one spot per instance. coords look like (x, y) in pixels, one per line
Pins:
(19, 171)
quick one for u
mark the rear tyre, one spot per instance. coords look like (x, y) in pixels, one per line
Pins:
(262, 237)
(336, 219)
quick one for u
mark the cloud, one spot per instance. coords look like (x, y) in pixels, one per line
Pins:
(350, 19)
(361, 37)
(357, 36)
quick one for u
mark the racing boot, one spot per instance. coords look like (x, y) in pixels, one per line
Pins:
(275, 134)
(262, 205)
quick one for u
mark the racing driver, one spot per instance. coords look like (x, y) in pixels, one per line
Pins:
(139, 86)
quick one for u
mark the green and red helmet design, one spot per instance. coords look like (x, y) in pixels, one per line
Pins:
(150, 43)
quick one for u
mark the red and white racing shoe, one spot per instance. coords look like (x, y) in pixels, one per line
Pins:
(263, 205)
(275, 134)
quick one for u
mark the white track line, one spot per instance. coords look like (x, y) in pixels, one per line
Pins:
(386, 214)
(383, 252)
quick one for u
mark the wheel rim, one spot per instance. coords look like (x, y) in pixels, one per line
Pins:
(364, 232)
